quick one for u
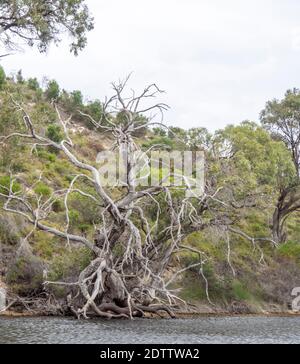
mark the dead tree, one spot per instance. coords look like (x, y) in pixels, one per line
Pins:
(111, 286)
(133, 282)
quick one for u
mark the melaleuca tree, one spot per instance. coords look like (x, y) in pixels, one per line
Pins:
(40, 22)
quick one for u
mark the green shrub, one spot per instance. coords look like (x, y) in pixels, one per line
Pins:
(69, 264)
(290, 250)
(44, 245)
(44, 113)
(33, 84)
(94, 109)
(63, 167)
(9, 233)
(58, 206)
(43, 154)
(193, 290)
(42, 189)
(54, 133)
(240, 292)
(26, 275)
(83, 227)
(5, 185)
(74, 217)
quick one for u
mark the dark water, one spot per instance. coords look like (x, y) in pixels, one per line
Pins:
(191, 331)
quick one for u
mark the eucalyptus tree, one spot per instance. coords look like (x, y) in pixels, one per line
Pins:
(282, 119)
(41, 22)
(252, 168)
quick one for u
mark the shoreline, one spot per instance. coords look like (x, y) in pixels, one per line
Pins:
(227, 314)
(179, 315)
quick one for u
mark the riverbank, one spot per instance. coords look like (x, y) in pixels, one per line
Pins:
(186, 315)
(14, 314)
(179, 315)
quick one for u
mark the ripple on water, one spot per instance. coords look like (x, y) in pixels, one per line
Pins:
(181, 331)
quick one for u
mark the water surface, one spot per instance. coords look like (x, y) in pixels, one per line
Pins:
(181, 331)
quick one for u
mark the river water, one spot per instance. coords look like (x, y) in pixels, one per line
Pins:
(181, 331)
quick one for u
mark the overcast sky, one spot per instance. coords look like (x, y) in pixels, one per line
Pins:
(219, 61)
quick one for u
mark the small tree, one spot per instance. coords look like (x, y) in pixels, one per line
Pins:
(76, 99)
(33, 84)
(53, 90)
(19, 77)
(94, 108)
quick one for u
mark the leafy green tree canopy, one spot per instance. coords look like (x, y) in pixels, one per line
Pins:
(199, 139)
(255, 159)
(40, 22)
(282, 119)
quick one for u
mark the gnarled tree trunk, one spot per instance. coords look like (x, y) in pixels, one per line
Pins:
(288, 203)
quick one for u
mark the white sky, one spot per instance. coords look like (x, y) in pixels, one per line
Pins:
(219, 61)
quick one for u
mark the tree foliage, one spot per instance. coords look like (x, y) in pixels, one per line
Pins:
(53, 90)
(40, 22)
(33, 84)
(282, 119)
(259, 160)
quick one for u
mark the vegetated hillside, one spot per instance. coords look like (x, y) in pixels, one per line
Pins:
(239, 275)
